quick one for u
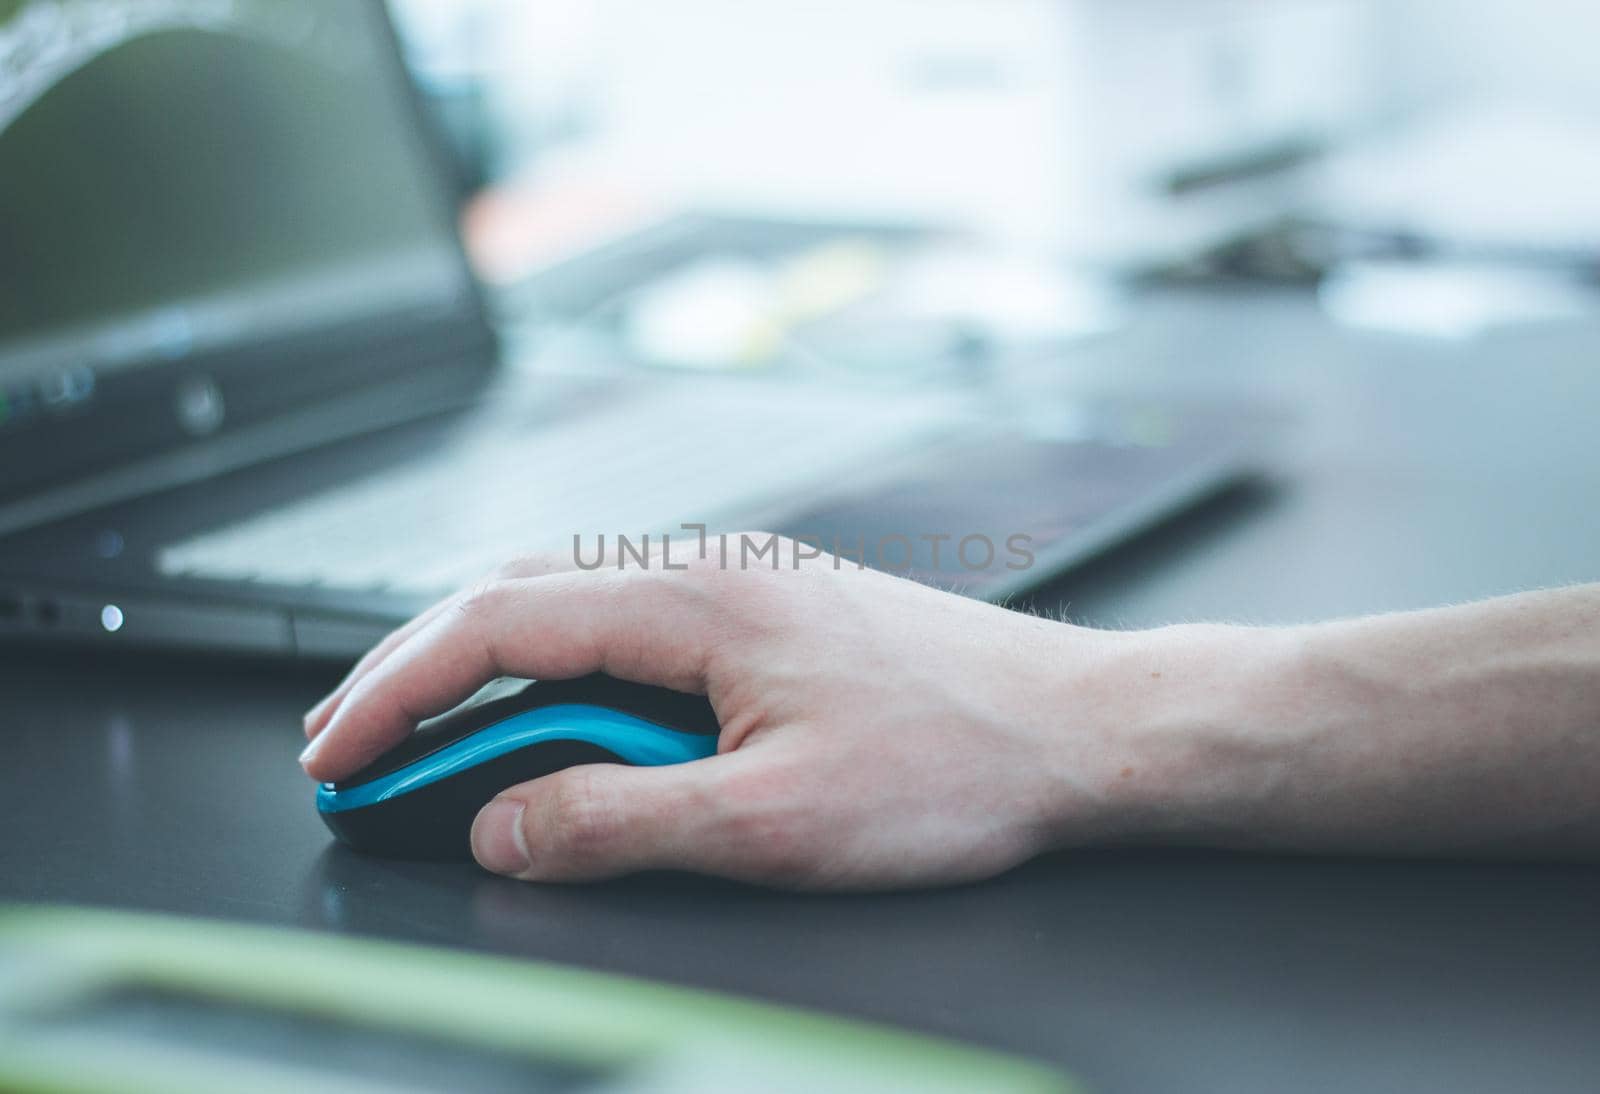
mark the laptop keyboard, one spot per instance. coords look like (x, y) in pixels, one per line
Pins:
(645, 466)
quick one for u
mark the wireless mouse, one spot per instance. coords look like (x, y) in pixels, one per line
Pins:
(418, 800)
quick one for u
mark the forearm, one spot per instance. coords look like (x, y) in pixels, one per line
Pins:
(1472, 729)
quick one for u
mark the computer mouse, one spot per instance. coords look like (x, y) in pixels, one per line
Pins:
(418, 800)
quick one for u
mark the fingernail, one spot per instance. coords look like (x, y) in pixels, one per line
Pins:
(497, 841)
(309, 753)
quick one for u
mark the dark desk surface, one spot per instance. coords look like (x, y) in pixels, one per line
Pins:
(1415, 473)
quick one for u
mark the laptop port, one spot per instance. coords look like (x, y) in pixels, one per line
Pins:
(10, 607)
(47, 612)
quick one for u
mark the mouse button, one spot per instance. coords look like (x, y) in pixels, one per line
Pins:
(481, 706)
(663, 706)
(494, 702)
(408, 751)
(430, 737)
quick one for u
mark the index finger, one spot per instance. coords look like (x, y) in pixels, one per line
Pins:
(645, 626)
(317, 718)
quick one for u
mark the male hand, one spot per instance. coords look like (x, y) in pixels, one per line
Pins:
(876, 733)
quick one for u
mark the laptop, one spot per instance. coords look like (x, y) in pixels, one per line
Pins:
(251, 402)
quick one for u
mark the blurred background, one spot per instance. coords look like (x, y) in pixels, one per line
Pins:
(880, 186)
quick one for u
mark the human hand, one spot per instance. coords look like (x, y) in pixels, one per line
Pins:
(876, 733)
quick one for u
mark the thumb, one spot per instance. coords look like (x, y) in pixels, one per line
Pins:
(599, 821)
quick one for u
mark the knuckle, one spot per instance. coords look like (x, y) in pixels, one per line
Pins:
(578, 815)
(477, 602)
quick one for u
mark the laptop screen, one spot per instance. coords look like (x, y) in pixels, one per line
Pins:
(202, 204)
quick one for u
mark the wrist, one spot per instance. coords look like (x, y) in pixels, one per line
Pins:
(1190, 734)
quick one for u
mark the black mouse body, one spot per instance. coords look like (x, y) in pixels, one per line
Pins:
(418, 800)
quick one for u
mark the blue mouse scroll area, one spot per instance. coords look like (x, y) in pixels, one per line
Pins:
(632, 739)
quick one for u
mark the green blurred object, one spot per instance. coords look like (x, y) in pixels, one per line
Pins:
(115, 1001)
